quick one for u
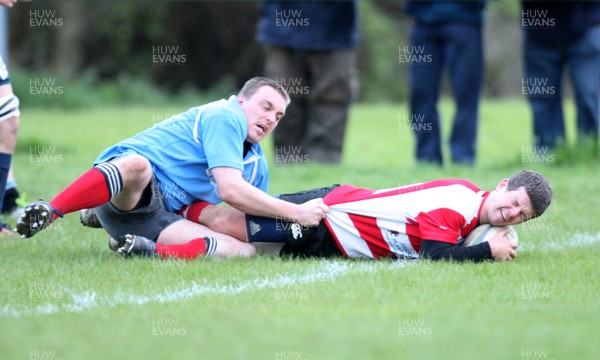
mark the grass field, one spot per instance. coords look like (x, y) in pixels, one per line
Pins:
(64, 295)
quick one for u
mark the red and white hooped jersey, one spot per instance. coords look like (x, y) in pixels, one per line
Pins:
(392, 222)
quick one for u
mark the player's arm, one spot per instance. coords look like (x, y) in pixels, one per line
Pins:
(440, 250)
(8, 3)
(498, 248)
(235, 191)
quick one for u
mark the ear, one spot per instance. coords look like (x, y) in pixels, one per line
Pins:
(241, 99)
(502, 185)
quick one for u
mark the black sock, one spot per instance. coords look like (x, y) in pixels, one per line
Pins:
(5, 160)
(10, 200)
(262, 229)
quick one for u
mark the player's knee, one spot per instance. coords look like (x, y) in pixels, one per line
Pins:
(137, 163)
(9, 108)
(134, 168)
(9, 128)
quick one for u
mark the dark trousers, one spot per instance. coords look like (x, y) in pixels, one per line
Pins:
(458, 48)
(321, 86)
(544, 66)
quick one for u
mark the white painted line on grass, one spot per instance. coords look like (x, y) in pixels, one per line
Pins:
(80, 302)
(569, 241)
(326, 271)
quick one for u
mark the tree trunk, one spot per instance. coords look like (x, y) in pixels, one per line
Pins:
(69, 44)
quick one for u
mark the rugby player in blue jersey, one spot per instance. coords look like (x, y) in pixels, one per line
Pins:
(144, 185)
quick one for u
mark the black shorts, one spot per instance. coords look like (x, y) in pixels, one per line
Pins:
(315, 241)
(148, 219)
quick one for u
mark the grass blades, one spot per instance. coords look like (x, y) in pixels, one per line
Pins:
(65, 295)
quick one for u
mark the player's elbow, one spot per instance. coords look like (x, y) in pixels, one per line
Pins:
(230, 194)
(230, 185)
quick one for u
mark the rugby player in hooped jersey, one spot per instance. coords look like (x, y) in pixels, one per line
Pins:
(145, 185)
(422, 220)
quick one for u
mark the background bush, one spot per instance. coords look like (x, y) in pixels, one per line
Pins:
(103, 50)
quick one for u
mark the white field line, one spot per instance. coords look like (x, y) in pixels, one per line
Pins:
(80, 302)
(326, 271)
(569, 241)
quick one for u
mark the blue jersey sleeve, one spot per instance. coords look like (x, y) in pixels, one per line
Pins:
(223, 138)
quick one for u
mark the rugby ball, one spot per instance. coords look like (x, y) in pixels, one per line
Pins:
(484, 233)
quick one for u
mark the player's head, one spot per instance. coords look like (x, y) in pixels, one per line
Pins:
(536, 186)
(251, 87)
(264, 102)
(524, 196)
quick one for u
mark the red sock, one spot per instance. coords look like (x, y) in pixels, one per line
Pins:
(187, 251)
(91, 189)
(192, 212)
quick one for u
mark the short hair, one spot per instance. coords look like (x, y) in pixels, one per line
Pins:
(537, 187)
(251, 87)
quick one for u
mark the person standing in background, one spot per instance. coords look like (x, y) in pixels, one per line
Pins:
(311, 51)
(9, 120)
(450, 33)
(558, 35)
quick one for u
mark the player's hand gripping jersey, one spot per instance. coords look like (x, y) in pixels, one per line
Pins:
(392, 222)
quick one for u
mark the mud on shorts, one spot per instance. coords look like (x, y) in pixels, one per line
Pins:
(148, 219)
(315, 241)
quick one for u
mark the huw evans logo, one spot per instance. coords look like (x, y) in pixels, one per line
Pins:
(414, 122)
(167, 327)
(291, 19)
(293, 86)
(538, 155)
(290, 155)
(44, 154)
(44, 19)
(537, 20)
(414, 327)
(413, 55)
(43, 354)
(168, 55)
(537, 87)
(45, 86)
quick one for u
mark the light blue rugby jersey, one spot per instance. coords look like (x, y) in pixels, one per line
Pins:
(183, 149)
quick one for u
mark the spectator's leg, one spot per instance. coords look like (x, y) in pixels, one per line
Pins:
(584, 66)
(543, 87)
(330, 93)
(285, 66)
(464, 54)
(425, 80)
